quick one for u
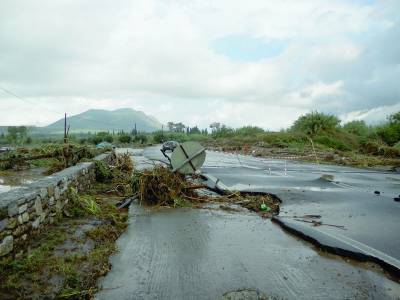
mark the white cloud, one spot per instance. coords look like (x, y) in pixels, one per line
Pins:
(157, 56)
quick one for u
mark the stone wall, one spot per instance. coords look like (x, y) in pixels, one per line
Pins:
(26, 210)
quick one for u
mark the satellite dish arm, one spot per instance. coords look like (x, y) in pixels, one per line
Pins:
(167, 157)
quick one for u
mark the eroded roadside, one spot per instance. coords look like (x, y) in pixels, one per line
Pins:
(66, 259)
(63, 259)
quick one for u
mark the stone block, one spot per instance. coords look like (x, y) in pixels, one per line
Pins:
(3, 224)
(23, 218)
(56, 193)
(38, 206)
(13, 209)
(50, 190)
(6, 245)
(23, 208)
(36, 223)
(12, 223)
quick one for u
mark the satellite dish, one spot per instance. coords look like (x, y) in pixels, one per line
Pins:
(188, 157)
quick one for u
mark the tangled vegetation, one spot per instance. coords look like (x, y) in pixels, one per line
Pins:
(54, 157)
(66, 259)
(161, 186)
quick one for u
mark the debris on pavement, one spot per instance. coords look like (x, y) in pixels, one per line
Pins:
(162, 187)
(245, 295)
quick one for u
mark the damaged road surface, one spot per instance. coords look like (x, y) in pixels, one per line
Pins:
(210, 253)
(346, 211)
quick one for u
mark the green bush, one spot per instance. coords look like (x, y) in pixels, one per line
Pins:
(249, 130)
(102, 171)
(332, 142)
(316, 122)
(142, 138)
(125, 138)
(223, 132)
(358, 128)
(101, 137)
(389, 133)
(158, 137)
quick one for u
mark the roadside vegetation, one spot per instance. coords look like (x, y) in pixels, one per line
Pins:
(65, 260)
(314, 137)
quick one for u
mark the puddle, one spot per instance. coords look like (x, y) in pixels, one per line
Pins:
(11, 179)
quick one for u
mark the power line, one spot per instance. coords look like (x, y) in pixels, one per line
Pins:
(52, 111)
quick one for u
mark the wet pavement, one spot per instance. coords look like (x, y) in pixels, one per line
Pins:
(11, 179)
(203, 254)
(341, 196)
(206, 253)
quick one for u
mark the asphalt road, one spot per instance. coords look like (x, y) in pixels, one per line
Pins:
(205, 253)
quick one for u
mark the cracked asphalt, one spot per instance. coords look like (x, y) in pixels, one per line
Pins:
(206, 253)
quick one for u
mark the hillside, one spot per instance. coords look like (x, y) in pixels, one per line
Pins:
(104, 120)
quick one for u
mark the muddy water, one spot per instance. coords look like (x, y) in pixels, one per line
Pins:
(13, 179)
(204, 253)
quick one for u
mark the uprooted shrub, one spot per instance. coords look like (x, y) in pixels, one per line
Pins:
(82, 205)
(161, 186)
(102, 171)
(115, 176)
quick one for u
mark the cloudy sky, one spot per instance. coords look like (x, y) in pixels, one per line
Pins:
(239, 62)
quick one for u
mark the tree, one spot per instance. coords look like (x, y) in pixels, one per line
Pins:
(176, 127)
(215, 127)
(249, 130)
(125, 138)
(17, 134)
(142, 138)
(194, 130)
(390, 132)
(158, 137)
(315, 122)
(395, 118)
(170, 126)
(101, 137)
(356, 127)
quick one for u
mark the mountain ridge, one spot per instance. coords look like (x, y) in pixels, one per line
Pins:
(106, 120)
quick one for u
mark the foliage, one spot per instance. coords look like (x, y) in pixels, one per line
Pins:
(103, 172)
(125, 138)
(357, 128)
(141, 138)
(332, 142)
(161, 186)
(390, 132)
(223, 131)
(101, 137)
(315, 122)
(249, 130)
(176, 127)
(17, 134)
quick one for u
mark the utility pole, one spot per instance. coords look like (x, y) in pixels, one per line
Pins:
(65, 128)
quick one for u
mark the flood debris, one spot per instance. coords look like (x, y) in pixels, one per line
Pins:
(245, 294)
(161, 186)
(116, 175)
(53, 157)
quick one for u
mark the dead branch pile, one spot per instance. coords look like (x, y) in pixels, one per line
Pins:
(124, 163)
(258, 203)
(117, 173)
(161, 186)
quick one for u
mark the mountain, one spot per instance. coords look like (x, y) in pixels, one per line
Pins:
(105, 120)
